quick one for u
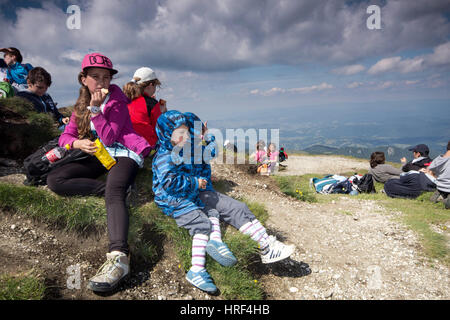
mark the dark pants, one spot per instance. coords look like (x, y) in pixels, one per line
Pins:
(80, 178)
(408, 186)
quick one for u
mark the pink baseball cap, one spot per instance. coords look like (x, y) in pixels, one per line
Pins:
(97, 60)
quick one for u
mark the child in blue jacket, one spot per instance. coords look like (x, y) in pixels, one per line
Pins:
(183, 190)
(17, 72)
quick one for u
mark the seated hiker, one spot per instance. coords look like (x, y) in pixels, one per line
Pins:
(410, 184)
(183, 190)
(39, 80)
(144, 109)
(17, 72)
(272, 157)
(441, 168)
(283, 156)
(381, 171)
(260, 157)
(421, 158)
(102, 114)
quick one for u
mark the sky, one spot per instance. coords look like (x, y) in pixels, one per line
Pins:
(229, 59)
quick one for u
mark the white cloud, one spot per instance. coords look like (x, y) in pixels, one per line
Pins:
(276, 90)
(354, 85)
(349, 70)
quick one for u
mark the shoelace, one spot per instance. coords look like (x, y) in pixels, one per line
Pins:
(106, 267)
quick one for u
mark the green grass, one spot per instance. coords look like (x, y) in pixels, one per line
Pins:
(28, 286)
(418, 214)
(147, 222)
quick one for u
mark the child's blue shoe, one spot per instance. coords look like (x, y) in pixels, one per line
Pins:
(219, 251)
(201, 280)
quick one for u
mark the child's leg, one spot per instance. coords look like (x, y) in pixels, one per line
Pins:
(239, 215)
(199, 227)
(235, 213)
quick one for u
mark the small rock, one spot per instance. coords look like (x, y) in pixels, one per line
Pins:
(293, 289)
(329, 293)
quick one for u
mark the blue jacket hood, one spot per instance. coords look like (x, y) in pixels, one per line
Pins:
(166, 124)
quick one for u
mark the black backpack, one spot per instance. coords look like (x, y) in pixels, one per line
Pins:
(38, 170)
(365, 184)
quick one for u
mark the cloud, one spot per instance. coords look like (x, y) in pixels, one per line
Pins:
(354, 85)
(438, 58)
(276, 90)
(223, 35)
(349, 70)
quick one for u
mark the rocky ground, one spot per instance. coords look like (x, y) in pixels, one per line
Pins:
(346, 249)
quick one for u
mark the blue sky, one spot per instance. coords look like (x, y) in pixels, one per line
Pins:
(226, 58)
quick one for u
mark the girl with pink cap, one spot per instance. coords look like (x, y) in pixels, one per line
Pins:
(101, 112)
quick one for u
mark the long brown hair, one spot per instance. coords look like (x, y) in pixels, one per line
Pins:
(82, 114)
(134, 90)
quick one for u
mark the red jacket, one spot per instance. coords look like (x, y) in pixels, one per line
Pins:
(143, 123)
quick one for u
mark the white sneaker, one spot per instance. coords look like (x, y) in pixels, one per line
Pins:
(277, 251)
(111, 273)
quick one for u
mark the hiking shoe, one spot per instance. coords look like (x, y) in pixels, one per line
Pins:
(447, 202)
(111, 273)
(201, 280)
(276, 251)
(437, 197)
(220, 252)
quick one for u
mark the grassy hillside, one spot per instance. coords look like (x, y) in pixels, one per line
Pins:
(87, 215)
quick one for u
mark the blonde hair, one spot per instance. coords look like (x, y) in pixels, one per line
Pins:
(82, 114)
(134, 90)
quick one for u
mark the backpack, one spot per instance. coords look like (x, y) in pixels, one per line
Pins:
(366, 184)
(324, 184)
(38, 170)
(344, 187)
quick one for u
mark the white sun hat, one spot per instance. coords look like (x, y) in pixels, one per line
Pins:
(144, 74)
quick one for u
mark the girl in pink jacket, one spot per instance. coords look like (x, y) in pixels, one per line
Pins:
(101, 112)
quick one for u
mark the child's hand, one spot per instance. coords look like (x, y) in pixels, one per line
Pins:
(202, 183)
(85, 145)
(97, 98)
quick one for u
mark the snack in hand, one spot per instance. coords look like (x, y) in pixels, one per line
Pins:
(162, 102)
(104, 91)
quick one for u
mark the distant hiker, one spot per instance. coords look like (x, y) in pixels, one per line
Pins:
(144, 109)
(38, 81)
(17, 72)
(272, 156)
(260, 157)
(381, 171)
(441, 168)
(184, 192)
(283, 156)
(421, 158)
(101, 112)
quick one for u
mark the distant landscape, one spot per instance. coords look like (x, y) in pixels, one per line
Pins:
(354, 129)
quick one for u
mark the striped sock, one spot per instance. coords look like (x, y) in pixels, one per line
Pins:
(257, 232)
(198, 252)
(215, 230)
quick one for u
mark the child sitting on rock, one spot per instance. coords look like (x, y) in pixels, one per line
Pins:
(183, 190)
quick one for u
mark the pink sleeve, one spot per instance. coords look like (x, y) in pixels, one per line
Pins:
(70, 133)
(110, 124)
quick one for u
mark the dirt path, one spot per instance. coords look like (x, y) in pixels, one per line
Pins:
(355, 249)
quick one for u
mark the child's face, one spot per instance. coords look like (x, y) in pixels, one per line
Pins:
(97, 79)
(9, 59)
(180, 135)
(272, 148)
(39, 88)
